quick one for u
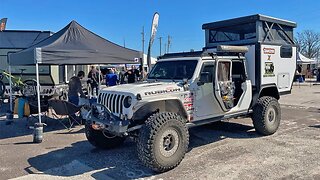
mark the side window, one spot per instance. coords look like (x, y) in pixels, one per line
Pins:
(209, 68)
(286, 52)
(223, 71)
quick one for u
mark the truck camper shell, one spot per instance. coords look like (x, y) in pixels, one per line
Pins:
(271, 59)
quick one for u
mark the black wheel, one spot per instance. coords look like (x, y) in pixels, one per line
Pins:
(2, 88)
(103, 140)
(29, 88)
(266, 115)
(163, 141)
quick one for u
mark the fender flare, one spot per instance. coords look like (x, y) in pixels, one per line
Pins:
(167, 105)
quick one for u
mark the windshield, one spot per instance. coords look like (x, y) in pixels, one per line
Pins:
(178, 70)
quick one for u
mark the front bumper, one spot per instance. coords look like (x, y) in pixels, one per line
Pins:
(102, 119)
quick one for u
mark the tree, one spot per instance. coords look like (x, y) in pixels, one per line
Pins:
(309, 43)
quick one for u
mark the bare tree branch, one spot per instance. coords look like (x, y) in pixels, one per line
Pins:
(309, 43)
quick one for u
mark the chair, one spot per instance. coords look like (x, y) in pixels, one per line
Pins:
(65, 109)
(33, 105)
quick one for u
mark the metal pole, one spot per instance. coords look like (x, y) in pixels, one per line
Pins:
(160, 38)
(38, 92)
(10, 83)
(165, 48)
(142, 59)
(169, 43)
(99, 85)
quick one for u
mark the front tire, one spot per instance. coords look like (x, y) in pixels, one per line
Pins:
(266, 115)
(163, 141)
(102, 140)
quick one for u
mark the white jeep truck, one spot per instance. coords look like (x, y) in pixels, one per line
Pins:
(188, 89)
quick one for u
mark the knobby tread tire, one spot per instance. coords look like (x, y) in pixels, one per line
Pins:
(97, 139)
(260, 121)
(147, 141)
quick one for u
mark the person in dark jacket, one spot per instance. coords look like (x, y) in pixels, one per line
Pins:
(93, 78)
(75, 88)
(130, 76)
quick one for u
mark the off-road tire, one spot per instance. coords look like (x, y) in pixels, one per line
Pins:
(102, 140)
(151, 139)
(2, 88)
(266, 115)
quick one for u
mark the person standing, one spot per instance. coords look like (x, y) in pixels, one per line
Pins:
(136, 73)
(122, 76)
(94, 80)
(130, 76)
(111, 78)
(75, 88)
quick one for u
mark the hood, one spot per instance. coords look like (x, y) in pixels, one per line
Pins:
(146, 89)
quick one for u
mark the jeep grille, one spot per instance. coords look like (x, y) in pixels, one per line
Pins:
(114, 102)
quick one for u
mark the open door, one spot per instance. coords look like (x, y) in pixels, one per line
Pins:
(224, 87)
(205, 102)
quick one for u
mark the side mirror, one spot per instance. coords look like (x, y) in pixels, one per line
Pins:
(204, 78)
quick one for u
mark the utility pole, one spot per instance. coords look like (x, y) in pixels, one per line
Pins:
(160, 39)
(142, 34)
(124, 42)
(169, 43)
(165, 48)
(142, 58)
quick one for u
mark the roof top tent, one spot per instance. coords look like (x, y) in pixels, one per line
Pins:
(272, 51)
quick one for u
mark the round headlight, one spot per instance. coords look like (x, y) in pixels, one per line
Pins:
(127, 102)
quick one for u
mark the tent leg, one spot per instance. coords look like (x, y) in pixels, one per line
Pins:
(38, 127)
(99, 79)
(9, 114)
(10, 83)
(38, 92)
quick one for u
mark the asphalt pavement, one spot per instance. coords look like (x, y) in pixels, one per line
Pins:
(227, 150)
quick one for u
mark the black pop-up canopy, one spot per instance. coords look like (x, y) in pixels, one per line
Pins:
(74, 45)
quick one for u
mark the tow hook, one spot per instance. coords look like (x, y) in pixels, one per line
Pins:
(97, 126)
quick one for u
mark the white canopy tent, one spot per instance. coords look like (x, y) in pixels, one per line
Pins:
(301, 59)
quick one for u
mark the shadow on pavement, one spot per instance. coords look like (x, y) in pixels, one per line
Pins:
(20, 127)
(122, 162)
(315, 126)
(82, 157)
(220, 130)
(80, 131)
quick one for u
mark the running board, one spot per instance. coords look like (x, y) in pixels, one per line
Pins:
(219, 118)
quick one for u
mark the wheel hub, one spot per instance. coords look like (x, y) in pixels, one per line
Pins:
(271, 115)
(169, 142)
